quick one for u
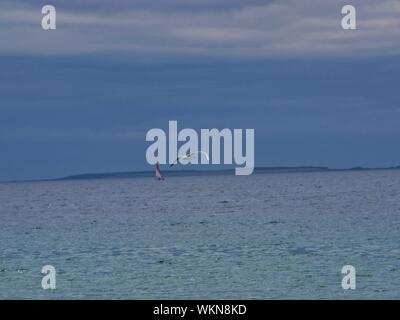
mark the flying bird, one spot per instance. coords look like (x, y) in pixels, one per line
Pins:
(189, 157)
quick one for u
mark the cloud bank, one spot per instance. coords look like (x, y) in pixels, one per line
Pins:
(224, 28)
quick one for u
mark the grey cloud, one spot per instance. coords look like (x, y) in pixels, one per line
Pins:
(215, 28)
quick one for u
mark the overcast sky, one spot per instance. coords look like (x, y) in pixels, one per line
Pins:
(81, 98)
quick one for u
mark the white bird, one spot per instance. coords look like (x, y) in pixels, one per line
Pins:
(189, 157)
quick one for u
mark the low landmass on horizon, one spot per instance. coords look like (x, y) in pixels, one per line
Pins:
(188, 172)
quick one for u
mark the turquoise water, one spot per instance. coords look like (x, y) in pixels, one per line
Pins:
(266, 236)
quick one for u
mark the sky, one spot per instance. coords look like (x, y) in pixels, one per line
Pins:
(81, 98)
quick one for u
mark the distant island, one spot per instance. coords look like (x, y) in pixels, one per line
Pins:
(187, 172)
(177, 173)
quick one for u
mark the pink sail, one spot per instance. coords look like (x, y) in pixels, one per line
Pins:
(158, 172)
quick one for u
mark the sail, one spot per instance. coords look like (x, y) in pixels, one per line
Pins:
(158, 172)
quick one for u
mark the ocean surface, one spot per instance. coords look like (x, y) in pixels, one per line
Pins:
(265, 236)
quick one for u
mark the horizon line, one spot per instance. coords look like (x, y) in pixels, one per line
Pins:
(189, 172)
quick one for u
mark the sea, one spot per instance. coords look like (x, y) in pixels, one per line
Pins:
(264, 236)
